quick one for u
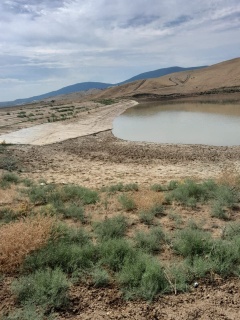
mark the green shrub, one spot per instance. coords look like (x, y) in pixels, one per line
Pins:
(131, 271)
(190, 192)
(100, 278)
(68, 257)
(127, 202)
(150, 242)
(173, 184)
(146, 217)
(8, 163)
(28, 313)
(200, 266)
(72, 235)
(27, 182)
(115, 188)
(55, 196)
(226, 256)
(10, 177)
(74, 211)
(157, 210)
(111, 228)
(45, 288)
(142, 276)
(43, 194)
(210, 188)
(153, 280)
(218, 211)
(120, 187)
(191, 202)
(158, 187)
(78, 193)
(231, 231)
(237, 272)
(226, 196)
(131, 187)
(38, 194)
(7, 214)
(191, 242)
(177, 276)
(192, 224)
(114, 252)
(7, 179)
(2, 148)
(175, 217)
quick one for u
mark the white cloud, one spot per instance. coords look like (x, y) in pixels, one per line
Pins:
(10, 80)
(85, 40)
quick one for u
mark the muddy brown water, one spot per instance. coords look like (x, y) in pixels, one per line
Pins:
(181, 123)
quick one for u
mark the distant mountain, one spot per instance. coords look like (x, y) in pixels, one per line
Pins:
(159, 73)
(84, 86)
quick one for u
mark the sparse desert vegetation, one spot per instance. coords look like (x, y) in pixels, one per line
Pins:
(56, 239)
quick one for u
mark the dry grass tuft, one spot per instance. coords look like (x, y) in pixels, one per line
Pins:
(20, 238)
(146, 199)
(7, 196)
(24, 208)
(229, 176)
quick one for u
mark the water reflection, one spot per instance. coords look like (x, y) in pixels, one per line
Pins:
(183, 123)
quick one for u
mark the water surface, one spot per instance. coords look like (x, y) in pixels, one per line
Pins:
(181, 123)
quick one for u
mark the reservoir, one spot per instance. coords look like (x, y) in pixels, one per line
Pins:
(181, 123)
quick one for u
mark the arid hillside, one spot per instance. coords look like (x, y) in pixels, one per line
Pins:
(220, 78)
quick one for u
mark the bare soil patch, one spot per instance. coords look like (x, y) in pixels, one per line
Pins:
(100, 159)
(220, 300)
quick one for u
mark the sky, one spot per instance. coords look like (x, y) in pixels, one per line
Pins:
(48, 44)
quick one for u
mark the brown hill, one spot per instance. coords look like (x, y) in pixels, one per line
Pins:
(223, 77)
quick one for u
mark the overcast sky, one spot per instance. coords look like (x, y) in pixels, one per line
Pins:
(49, 44)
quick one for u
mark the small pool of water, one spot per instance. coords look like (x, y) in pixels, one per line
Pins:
(181, 123)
